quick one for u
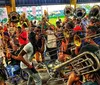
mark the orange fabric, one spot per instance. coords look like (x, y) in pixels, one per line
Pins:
(38, 56)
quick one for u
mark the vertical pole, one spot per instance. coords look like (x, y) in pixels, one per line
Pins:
(73, 2)
(12, 7)
(8, 8)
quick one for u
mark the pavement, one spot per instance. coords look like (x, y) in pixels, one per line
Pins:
(45, 79)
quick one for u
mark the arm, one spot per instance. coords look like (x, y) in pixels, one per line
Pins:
(12, 44)
(72, 78)
(92, 42)
(20, 58)
(43, 43)
(77, 50)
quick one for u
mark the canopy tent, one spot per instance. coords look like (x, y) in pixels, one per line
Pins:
(42, 2)
(49, 2)
(4, 2)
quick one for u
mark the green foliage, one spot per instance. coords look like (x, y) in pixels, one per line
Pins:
(53, 20)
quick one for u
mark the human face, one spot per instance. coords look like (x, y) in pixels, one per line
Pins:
(37, 31)
(89, 32)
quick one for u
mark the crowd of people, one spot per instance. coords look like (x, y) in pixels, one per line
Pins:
(19, 42)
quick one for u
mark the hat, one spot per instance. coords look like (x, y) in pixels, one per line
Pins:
(25, 24)
(19, 25)
(77, 28)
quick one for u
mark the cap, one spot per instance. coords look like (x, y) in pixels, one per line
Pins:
(77, 28)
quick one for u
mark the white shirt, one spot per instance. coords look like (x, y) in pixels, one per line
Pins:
(28, 48)
(51, 39)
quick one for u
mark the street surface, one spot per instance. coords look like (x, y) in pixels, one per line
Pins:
(45, 78)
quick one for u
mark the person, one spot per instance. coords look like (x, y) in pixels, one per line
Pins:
(2, 70)
(26, 56)
(59, 19)
(97, 24)
(46, 14)
(22, 36)
(40, 40)
(92, 30)
(59, 33)
(51, 44)
(73, 78)
(91, 78)
(11, 29)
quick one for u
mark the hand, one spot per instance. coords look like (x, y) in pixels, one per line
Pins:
(14, 57)
(92, 42)
(9, 55)
(72, 78)
(43, 41)
(30, 66)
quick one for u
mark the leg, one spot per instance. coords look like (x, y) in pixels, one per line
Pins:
(33, 76)
(30, 76)
(30, 79)
(2, 83)
(37, 79)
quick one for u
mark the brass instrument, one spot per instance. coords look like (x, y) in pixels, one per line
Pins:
(14, 17)
(84, 63)
(23, 17)
(79, 12)
(7, 51)
(66, 33)
(45, 16)
(78, 40)
(2, 35)
(68, 11)
(1, 39)
(95, 12)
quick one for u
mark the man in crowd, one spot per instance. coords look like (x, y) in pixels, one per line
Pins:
(22, 36)
(26, 56)
(91, 78)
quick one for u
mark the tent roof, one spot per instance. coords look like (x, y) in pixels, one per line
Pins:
(42, 2)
